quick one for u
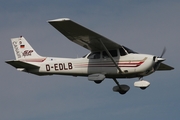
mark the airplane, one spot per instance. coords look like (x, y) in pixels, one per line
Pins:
(106, 59)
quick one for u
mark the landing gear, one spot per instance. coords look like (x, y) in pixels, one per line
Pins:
(142, 84)
(143, 88)
(98, 81)
(122, 89)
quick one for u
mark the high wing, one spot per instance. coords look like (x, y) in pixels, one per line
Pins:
(164, 67)
(82, 36)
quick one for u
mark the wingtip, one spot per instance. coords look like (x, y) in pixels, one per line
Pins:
(58, 20)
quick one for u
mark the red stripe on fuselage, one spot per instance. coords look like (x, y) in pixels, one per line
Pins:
(120, 64)
(34, 60)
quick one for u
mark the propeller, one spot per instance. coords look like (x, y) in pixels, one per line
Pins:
(160, 59)
(164, 50)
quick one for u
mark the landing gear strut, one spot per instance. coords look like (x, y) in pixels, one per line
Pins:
(122, 89)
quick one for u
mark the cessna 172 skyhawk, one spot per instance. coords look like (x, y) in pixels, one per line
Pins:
(107, 59)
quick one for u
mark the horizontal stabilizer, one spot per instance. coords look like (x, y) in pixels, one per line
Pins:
(164, 67)
(21, 64)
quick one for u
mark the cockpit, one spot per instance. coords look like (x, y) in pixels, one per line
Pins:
(114, 53)
(129, 51)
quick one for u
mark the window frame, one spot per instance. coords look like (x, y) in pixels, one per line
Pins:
(94, 53)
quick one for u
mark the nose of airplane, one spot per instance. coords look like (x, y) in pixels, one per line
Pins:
(157, 61)
(160, 59)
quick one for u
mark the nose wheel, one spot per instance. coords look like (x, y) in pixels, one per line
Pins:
(142, 84)
(122, 89)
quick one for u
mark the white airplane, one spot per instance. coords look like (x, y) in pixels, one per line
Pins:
(107, 59)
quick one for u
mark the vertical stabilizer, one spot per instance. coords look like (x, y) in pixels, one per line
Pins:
(23, 50)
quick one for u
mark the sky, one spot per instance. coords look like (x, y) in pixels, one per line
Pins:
(146, 26)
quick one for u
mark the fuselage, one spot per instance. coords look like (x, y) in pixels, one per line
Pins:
(131, 65)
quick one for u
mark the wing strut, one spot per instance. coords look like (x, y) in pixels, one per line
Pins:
(110, 56)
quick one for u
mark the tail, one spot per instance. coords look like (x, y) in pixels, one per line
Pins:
(24, 52)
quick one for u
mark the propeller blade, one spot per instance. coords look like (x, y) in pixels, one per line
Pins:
(164, 50)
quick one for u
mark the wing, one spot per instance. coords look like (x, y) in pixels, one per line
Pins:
(82, 36)
(164, 67)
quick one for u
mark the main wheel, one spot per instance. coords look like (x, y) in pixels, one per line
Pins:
(98, 81)
(122, 89)
(143, 88)
(122, 92)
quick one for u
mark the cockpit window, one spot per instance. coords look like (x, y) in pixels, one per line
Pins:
(122, 51)
(112, 52)
(84, 56)
(129, 50)
(94, 55)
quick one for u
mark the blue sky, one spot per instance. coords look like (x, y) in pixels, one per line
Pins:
(145, 26)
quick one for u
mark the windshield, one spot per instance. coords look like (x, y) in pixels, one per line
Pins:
(84, 56)
(129, 50)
